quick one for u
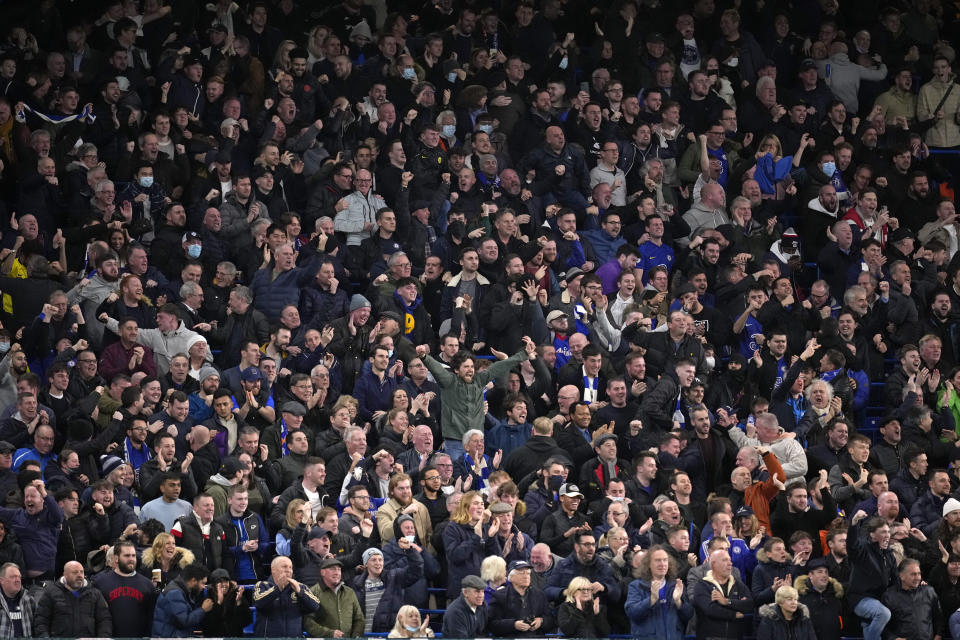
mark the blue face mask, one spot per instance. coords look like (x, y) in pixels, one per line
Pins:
(194, 250)
(486, 128)
(449, 130)
(412, 629)
(451, 77)
(564, 62)
(829, 168)
(409, 73)
(4, 347)
(146, 182)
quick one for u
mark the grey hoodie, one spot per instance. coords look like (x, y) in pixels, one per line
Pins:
(89, 297)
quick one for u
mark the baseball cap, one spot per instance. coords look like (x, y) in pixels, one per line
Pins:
(570, 490)
(519, 564)
(555, 315)
(316, 533)
(251, 374)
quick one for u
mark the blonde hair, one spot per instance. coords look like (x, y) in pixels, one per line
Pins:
(292, 519)
(400, 629)
(570, 593)
(159, 542)
(786, 592)
(493, 569)
(773, 139)
(281, 59)
(461, 515)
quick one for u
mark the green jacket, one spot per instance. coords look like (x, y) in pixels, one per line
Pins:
(218, 491)
(339, 610)
(461, 403)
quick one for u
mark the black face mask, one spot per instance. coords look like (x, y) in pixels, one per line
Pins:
(737, 376)
(457, 230)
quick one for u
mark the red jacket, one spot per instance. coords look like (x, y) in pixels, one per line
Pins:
(115, 359)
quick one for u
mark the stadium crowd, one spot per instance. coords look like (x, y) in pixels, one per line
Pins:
(510, 318)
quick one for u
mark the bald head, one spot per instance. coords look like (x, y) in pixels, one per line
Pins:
(720, 564)
(199, 436)
(73, 575)
(567, 395)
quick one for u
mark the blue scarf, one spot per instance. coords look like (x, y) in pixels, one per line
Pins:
(665, 598)
(829, 375)
(283, 437)
(86, 114)
(796, 404)
(769, 173)
(484, 472)
(136, 457)
(409, 321)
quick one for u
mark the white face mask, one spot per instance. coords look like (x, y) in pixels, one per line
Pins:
(710, 362)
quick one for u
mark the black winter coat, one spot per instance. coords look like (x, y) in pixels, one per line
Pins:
(914, 613)
(773, 626)
(716, 620)
(872, 569)
(507, 607)
(60, 614)
(763, 576)
(583, 623)
(826, 608)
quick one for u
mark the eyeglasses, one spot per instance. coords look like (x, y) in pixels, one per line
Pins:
(363, 180)
(361, 497)
(347, 176)
(87, 361)
(431, 478)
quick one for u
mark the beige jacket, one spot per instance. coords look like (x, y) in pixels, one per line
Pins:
(944, 132)
(391, 509)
